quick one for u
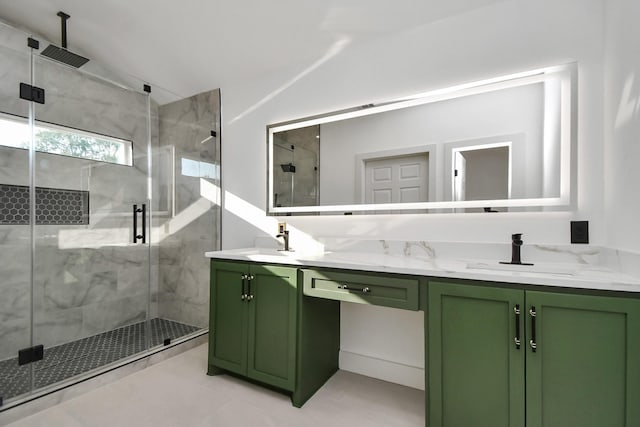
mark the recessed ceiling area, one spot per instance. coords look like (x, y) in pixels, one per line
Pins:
(193, 46)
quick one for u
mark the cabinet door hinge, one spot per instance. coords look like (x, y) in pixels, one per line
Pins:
(31, 354)
(32, 93)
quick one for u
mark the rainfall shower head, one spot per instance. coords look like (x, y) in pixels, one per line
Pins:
(61, 54)
(64, 56)
(288, 167)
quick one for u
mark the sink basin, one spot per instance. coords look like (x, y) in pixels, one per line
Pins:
(542, 268)
(266, 255)
(261, 251)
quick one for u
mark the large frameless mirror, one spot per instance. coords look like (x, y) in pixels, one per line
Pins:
(502, 144)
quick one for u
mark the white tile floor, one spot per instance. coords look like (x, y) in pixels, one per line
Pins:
(177, 392)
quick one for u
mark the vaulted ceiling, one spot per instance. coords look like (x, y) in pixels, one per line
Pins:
(196, 45)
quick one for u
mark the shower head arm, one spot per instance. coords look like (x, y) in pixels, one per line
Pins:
(61, 54)
(63, 20)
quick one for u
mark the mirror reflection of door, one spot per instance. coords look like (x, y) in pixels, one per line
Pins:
(482, 173)
(459, 177)
(403, 179)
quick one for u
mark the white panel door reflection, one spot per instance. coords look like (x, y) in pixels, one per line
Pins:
(403, 179)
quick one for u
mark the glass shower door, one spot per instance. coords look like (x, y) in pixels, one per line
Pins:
(15, 268)
(85, 282)
(92, 240)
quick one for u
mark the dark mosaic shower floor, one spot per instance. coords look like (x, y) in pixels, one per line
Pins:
(74, 358)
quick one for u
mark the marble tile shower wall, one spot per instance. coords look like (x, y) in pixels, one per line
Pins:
(186, 125)
(86, 280)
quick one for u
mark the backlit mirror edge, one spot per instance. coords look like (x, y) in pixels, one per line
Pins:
(568, 74)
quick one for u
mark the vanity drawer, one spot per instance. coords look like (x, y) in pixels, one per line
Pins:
(386, 290)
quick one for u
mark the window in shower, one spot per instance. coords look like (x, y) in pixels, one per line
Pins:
(55, 139)
(199, 169)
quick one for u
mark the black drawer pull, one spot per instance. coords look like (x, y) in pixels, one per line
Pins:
(243, 295)
(365, 290)
(249, 292)
(516, 310)
(532, 341)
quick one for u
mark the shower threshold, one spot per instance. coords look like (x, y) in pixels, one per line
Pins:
(77, 357)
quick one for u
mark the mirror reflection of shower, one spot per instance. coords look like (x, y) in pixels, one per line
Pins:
(297, 152)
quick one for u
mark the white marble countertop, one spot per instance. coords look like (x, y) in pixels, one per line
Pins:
(567, 275)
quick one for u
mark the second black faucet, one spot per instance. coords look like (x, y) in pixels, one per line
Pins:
(516, 244)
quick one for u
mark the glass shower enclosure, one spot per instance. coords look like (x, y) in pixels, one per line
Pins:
(102, 194)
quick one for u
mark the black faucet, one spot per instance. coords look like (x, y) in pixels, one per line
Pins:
(516, 243)
(285, 235)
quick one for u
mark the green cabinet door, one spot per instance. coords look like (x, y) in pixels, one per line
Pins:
(228, 317)
(475, 368)
(586, 368)
(272, 326)
(253, 322)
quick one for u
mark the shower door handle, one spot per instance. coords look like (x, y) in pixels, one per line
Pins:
(136, 211)
(144, 223)
(135, 223)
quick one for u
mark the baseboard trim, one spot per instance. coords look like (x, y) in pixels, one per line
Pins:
(393, 372)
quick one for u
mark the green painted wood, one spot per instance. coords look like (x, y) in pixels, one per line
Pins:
(475, 371)
(424, 306)
(585, 370)
(272, 326)
(318, 344)
(228, 318)
(386, 290)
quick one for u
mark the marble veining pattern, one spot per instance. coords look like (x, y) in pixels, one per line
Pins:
(583, 254)
(183, 288)
(424, 247)
(88, 278)
(554, 266)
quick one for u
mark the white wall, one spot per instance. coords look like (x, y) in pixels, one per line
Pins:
(622, 124)
(501, 38)
(506, 37)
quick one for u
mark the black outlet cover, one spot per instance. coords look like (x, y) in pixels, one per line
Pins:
(579, 231)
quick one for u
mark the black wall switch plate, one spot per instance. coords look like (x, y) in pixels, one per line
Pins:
(579, 231)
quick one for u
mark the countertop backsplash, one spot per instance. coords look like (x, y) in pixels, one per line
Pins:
(586, 256)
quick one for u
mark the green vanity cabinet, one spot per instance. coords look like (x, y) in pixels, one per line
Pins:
(586, 368)
(476, 371)
(228, 317)
(576, 364)
(253, 322)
